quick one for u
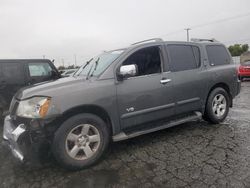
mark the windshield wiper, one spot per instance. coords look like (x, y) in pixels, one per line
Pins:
(96, 64)
(90, 75)
(85, 65)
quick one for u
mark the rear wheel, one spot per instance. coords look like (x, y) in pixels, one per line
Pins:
(80, 141)
(217, 106)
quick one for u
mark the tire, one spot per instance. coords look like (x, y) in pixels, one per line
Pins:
(217, 111)
(80, 141)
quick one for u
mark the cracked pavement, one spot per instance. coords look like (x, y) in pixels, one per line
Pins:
(195, 154)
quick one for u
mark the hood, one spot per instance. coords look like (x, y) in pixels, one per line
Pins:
(52, 88)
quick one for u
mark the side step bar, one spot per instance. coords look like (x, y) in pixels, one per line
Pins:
(123, 136)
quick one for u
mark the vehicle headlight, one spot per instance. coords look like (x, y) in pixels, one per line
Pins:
(36, 107)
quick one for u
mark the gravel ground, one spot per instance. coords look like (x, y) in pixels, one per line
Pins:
(195, 154)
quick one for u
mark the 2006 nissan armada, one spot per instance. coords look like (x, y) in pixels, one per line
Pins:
(120, 94)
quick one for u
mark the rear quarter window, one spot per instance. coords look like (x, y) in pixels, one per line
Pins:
(217, 55)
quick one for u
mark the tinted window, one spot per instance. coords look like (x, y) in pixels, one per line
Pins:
(217, 55)
(39, 69)
(183, 57)
(13, 73)
(148, 61)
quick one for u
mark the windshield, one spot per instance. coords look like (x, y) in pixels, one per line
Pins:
(95, 66)
(247, 63)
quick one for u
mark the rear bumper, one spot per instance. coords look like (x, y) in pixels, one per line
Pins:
(244, 74)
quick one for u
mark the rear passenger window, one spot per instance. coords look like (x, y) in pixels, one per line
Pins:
(217, 55)
(183, 57)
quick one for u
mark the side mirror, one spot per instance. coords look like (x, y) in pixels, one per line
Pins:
(54, 74)
(128, 71)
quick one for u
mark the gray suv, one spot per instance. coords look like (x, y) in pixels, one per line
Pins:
(120, 94)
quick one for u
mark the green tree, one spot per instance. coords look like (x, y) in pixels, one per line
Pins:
(245, 47)
(238, 49)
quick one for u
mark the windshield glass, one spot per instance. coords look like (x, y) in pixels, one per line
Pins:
(247, 63)
(95, 66)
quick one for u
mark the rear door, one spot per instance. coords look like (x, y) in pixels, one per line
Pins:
(148, 96)
(38, 72)
(188, 76)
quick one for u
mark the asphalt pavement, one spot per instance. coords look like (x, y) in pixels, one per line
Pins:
(195, 154)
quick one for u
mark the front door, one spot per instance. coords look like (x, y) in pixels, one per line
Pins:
(148, 96)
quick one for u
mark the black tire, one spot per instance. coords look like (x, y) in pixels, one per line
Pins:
(59, 142)
(210, 115)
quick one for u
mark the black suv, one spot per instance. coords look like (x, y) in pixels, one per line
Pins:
(120, 94)
(17, 73)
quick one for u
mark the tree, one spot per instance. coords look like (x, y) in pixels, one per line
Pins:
(238, 49)
(245, 47)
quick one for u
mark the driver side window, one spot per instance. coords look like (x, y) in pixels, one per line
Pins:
(147, 60)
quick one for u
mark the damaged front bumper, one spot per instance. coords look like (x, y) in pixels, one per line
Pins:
(26, 139)
(12, 135)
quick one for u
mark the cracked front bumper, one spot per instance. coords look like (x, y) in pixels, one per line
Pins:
(11, 137)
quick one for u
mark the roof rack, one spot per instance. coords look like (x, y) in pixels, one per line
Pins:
(203, 40)
(148, 40)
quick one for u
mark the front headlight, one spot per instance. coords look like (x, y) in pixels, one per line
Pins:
(36, 107)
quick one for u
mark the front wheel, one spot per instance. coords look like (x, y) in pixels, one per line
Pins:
(80, 141)
(217, 106)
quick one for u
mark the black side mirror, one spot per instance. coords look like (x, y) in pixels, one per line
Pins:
(54, 74)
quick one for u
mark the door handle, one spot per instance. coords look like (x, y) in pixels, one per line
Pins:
(164, 81)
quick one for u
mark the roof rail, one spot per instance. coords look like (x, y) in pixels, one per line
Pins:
(148, 40)
(203, 40)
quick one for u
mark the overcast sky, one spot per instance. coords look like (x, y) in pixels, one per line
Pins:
(59, 29)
